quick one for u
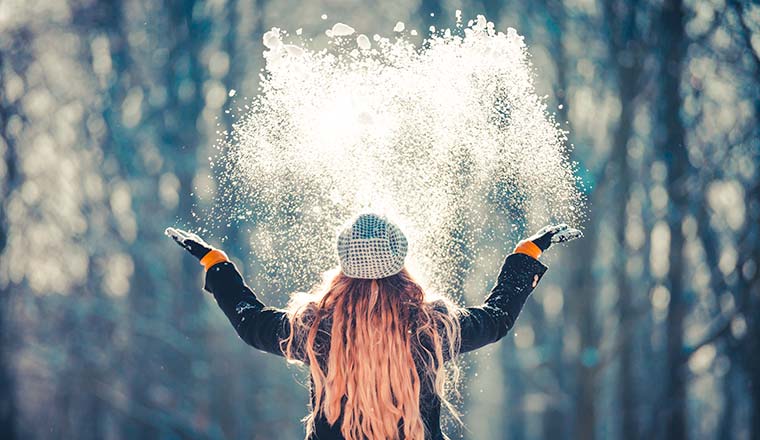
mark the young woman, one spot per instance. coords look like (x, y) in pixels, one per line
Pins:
(374, 341)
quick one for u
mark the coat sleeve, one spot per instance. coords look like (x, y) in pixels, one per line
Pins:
(489, 322)
(258, 325)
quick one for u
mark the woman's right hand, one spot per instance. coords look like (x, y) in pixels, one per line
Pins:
(539, 242)
(549, 235)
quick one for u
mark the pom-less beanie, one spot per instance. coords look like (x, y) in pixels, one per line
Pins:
(371, 246)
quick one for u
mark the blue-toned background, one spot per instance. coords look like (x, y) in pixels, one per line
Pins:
(647, 328)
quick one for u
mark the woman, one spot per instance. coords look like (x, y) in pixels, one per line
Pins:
(374, 342)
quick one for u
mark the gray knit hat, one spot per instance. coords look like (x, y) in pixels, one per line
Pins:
(371, 246)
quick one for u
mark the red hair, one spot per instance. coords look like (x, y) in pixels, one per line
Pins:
(383, 335)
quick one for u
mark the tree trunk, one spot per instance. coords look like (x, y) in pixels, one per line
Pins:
(673, 149)
(625, 308)
(750, 303)
(189, 30)
(624, 39)
(8, 412)
(749, 289)
(583, 288)
(140, 355)
(7, 388)
(582, 284)
(754, 372)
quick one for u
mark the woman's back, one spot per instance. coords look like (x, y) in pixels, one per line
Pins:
(381, 342)
(429, 404)
(268, 329)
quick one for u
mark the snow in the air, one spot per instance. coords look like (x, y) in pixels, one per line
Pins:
(341, 30)
(272, 39)
(449, 138)
(363, 42)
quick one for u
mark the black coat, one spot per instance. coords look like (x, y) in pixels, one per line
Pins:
(263, 327)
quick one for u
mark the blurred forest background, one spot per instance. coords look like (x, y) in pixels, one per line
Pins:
(647, 328)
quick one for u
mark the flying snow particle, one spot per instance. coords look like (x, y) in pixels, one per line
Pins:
(299, 31)
(341, 30)
(399, 27)
(272, 39)
(365, 118)
(324, 16)
(294, 50)
(413, 32)
(231, 93)
(363, 42)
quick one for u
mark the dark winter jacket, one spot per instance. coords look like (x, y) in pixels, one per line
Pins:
(263, 327)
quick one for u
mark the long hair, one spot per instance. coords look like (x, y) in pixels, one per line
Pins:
(380, 331)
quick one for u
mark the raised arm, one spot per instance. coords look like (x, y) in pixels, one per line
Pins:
(519, 275)
(489, 322)
(258, 325)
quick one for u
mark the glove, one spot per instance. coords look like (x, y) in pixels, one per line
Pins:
(544, 238)
(191, 242)
(204, 252)
(549, 235)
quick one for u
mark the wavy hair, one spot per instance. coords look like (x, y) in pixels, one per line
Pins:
(371, 346)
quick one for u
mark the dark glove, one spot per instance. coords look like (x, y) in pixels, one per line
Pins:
(194, 244)
(551, 234)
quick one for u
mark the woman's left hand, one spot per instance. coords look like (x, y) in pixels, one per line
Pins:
(191, 242)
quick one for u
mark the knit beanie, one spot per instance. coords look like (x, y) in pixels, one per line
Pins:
(371, 246)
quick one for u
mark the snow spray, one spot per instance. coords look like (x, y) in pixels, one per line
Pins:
(449, 139)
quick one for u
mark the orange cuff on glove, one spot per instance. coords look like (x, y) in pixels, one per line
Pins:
(213, 257)
(528, 248)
